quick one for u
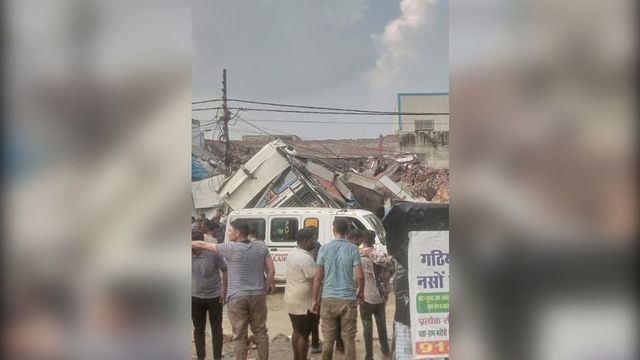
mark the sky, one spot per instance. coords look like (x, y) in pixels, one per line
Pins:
(356, 54)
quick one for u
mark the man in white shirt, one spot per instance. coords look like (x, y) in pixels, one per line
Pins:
(298, 295)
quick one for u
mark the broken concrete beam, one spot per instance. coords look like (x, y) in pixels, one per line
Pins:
(395, 188)
(320, 171)
(244, 185)
(344, 190)
(360, 180)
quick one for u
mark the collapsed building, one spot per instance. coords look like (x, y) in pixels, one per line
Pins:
(278, 176)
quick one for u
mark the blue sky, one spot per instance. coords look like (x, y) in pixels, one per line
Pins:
(336, 53)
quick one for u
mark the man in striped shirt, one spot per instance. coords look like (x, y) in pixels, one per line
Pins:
(247, 263)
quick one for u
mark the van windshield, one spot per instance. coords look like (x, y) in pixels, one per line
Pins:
(377, 226)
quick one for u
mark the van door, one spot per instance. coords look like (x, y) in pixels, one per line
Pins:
(281, 241)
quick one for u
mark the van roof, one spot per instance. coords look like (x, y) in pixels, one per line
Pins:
(291, 211)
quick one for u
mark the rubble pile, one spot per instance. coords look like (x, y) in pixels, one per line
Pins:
(428, 183)
(419, 181)
(278, 176)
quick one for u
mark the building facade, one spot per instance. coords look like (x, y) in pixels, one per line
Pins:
(425, 135)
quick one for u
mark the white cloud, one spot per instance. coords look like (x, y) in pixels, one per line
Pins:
(399, 40)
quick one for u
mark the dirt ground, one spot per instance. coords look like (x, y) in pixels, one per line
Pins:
(280, 330)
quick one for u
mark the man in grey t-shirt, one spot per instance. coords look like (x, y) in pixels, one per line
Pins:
(207, 296)
(248, 261)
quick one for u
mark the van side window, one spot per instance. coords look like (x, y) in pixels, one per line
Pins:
(284, 230)
(311, 222)
(259, 226)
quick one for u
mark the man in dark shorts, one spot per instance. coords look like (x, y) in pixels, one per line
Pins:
(208, 291)
(298, 293)
(247, 263)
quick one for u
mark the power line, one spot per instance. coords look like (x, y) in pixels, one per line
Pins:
(390, 113)
(205, 101)
(249, 131)
(274, 131)
(217, 120)
(302, 147)
(209, 108)
(329, 150)
(377, 112)
(305, 106)
(256, 127)
(321, 122)
(263, 130)
(336, 122)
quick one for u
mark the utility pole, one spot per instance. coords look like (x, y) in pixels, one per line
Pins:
(225, 125)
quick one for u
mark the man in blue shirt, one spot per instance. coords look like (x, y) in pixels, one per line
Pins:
(337, 262)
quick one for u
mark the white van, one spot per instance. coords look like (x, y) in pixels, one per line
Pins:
(278, 227)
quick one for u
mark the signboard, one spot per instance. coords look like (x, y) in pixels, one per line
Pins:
(429, 292)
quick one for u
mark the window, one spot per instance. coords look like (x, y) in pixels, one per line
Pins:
(408, 139)
(378, 227)
(311, 222)
(284, 230)
(421, 125)
(314, 224)
(257, 226)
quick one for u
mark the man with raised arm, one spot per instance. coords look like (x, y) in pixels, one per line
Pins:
(207, 296)
(247, 263)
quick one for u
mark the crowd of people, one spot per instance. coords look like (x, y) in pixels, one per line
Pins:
(215, 228)
(325, 285)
